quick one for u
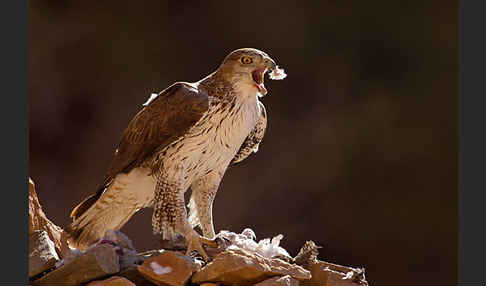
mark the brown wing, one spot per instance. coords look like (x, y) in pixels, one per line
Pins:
(162, 120)
(166, 118)
(250, 145)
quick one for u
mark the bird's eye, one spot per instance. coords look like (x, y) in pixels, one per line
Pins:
(246, 60)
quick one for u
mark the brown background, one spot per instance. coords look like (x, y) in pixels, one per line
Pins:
(360, 153)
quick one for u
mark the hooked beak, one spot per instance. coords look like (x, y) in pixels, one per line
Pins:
(270, 64)
(275, 73)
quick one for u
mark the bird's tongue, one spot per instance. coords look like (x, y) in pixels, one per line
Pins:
(261, 88)
(258, 80)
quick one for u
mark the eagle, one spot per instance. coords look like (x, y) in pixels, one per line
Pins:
(184, 137)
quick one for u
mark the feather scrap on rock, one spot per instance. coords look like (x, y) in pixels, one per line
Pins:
(277, 74)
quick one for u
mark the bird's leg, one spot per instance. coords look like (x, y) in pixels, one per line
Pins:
(170, 212)
(203, 193)
(194, 241)
(165, 209)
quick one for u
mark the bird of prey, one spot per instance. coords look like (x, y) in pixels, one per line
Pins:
(184, 137)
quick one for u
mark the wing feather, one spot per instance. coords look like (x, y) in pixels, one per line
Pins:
(252, 141)
(163, 120)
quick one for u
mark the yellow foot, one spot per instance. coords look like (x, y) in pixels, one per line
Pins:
(209, 242)
(194, 243)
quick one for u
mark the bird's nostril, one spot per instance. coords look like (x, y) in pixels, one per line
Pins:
(270, 64)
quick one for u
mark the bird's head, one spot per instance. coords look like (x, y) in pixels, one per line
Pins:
(247, 67)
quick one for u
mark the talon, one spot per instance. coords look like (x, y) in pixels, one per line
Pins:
(194, 243)
(209, 242)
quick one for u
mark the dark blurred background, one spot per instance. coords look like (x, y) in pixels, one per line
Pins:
(360, 153)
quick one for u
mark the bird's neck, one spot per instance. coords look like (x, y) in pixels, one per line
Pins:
(215, 85)
(218, 86)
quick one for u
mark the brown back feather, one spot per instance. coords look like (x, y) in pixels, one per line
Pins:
(169, 116)
(166, 118)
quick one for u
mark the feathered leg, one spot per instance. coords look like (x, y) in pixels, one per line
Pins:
(170, 214)
(201, 202)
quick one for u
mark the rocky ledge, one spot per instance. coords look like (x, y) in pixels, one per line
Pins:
(238, 260)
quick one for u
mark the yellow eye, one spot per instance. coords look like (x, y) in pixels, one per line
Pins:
(246, 60)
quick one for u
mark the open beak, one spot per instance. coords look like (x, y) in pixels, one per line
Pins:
(259, 74)
(258, 78)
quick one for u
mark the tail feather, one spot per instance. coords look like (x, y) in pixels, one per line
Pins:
(91, 225)
(83, 206)
(109, 208)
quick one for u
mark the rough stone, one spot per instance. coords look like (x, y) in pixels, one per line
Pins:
(239, 267)
(124, 246)
(169, 268)
(131, 273)
(112, 281)
(42, 253)
(119, 238)
(279, 281)
(95, 263)
(39, 221)
(328, 274)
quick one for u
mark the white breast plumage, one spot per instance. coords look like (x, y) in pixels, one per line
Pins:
(215, 139)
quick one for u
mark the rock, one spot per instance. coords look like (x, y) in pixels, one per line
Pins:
(39, 221)
(129, 258)
(95, 263)
(279, 281)
(127, 254)
(119, 238)
(131, 273)
(209, 284)
(70, 254)
(42, 253)
(236, 266)
(112, 281)
(124, 246)
(169, 268)
(328, 274)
